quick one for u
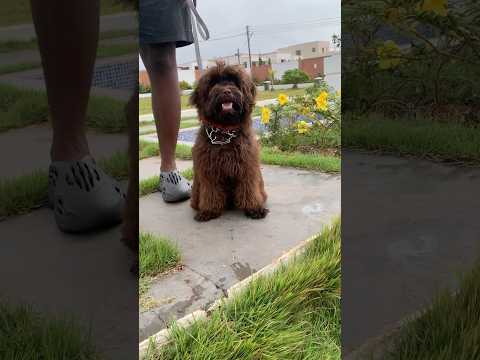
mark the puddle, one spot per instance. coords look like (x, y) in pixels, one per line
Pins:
(242, 271)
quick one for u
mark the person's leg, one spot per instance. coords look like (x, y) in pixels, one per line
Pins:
(161, 64)
(67, 33)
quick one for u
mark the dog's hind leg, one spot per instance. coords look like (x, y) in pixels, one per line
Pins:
(195, 193)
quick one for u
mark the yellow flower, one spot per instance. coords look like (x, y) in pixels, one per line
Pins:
(389, 55)
(305, 110)
(302, 127)
(338, 93)
(438, 7)
(282, 99)
(321, 100)
(265, 115)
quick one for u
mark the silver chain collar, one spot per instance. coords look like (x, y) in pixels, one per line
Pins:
(212, 131)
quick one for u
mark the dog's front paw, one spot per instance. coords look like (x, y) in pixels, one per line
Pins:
(256, 213)
(206, 215)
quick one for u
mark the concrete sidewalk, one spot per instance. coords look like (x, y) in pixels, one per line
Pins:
(220, 253)
(85, 277)
(409, 228)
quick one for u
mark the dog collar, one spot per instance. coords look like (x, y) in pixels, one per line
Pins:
(219, 136)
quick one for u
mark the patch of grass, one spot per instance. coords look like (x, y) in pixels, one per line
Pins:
(425, 139)
(293, 313)
(26, 334)
(156, 255)
(22, 194)
(151, 184)
(13, 68)
(23, 107)
(113, 50)
(18, 12)
(448, 329)
(317, 162)
(103, 51)
(329, 164)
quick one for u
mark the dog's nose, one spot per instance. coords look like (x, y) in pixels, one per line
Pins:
(227, 92)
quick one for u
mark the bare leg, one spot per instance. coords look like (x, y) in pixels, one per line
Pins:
(161, 64)
(67, 34)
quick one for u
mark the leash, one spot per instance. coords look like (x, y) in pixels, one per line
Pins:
(202, 29)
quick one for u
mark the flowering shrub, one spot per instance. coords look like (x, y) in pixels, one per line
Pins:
(409, 58)
(307, 123)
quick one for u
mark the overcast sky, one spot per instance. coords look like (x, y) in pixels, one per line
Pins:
(229, 17)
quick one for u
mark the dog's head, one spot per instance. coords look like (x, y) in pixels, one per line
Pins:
(224, 96)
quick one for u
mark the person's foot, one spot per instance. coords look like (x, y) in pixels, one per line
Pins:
(174, 187)
(83, 197)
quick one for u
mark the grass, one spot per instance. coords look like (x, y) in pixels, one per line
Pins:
(145, 104)
(151, 184)
(22, 194)
(148, 149)
(328, 164)
(157, 255)
(104, 51)
(293, 313)
(23, 107)
(18, 12)
(317, 162)
(26, 334)
(19, 45)
(425, 139)
(184, 124)
(448, 329)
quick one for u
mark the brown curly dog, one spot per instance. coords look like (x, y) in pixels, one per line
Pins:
(226, 159)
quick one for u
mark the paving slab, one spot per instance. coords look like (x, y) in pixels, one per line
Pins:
(32, 148)
(229, 249)
(409, 228)
(176, 295)
(86, 277)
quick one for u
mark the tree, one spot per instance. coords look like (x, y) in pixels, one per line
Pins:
(294, 76)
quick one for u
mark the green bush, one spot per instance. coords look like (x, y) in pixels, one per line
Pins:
(144, 89)
(185, 85)
(306, 123)
(294, 76)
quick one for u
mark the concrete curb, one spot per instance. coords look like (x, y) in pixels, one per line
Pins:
(162, 338)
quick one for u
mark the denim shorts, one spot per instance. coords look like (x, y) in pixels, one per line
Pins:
(165, 21)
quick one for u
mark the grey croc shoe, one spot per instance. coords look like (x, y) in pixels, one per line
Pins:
(83, 196)
(174, 187)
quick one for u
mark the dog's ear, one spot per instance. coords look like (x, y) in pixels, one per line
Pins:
(248, 87)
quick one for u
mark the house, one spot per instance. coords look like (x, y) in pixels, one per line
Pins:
(308, 50)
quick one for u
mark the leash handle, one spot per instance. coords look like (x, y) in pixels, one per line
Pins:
(202, 29)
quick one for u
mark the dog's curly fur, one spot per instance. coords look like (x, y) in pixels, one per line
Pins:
(229, 174)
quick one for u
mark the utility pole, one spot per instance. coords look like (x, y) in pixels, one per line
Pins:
(249, 52)
(238, 55)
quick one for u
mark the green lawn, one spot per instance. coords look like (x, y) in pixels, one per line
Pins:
(293, 314)
(16, 12)
(324, 163)
(27, 334)
(104, 51)
(448, 329)
(22, 194)
(156, 255)
(20, 108)
(145, 105)
(426, 139)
